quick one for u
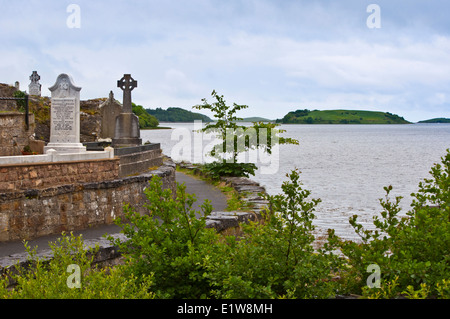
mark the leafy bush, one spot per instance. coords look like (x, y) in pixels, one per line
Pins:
(21, 104)
(48, 279)
(276, 259)
(269, 260)
(413, 252)
(170, 242)
(216, 170)
(171, 254)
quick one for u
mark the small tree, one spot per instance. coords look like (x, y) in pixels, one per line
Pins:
(236, 139)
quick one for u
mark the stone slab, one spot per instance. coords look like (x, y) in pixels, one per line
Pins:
(65, 116)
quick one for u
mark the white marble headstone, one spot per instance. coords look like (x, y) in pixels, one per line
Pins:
(65, 116)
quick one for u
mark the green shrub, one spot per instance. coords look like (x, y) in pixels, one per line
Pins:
(20, 103)
(51, 279)
(273, 259)
(276, 259)
(216, 169)
(413, 251)
(170, 242)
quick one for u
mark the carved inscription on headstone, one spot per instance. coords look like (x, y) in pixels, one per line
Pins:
(63, 114)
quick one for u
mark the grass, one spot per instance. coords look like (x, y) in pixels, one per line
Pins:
(437, 120)
(342, 117)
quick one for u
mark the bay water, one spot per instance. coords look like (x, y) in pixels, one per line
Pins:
(346, 166)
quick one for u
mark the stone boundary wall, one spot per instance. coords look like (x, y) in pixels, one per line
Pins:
(14, 135)
(33, 213)
(220, 221)
(17, 177)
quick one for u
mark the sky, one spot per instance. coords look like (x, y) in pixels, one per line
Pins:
(274, 56)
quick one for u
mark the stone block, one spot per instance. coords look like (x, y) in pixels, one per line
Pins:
(109, 110)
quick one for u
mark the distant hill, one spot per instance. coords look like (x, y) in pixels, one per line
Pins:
(177, 114)
(341, 117)
(436, 120)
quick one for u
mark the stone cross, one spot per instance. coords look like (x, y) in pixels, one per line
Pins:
(34, 77)
(126, 131)
(127, 84)
(34, 87)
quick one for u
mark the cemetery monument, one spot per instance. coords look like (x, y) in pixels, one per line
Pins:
(65, 117)
(34, 87)
(127, 130)
(109, 110)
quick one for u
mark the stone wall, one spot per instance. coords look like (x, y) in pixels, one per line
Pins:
(137, 159)
(16, 177)
(13, 133)
(7, 90)
(33, 213)
(220, 221)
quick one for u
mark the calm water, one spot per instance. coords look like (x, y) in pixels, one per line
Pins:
(346, 166)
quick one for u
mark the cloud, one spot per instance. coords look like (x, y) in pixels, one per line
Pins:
(273, 56)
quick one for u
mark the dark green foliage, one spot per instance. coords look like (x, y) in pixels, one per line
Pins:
(412, 251)
(341, 117)
(176, 114)
(20, 103)
(268, 260)
(276, 259)
(145, 120)
(436, 120)
(236, 139)
(48, 279)
(216, 170)
(170, 242)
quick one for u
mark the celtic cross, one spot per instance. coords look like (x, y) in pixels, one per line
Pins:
(127, 84)
(34, 77)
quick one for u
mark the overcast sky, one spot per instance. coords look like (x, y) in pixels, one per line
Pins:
(274, 56)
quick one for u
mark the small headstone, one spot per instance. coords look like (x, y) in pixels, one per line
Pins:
(34, 88)
(65, 116)
(127, 131)
(109, 110)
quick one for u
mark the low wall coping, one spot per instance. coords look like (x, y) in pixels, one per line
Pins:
(136, 149)
(54, 157)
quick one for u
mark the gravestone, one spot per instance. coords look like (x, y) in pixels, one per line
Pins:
(65, 116)
(34, 88)
(127, 131)
(109, 111)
